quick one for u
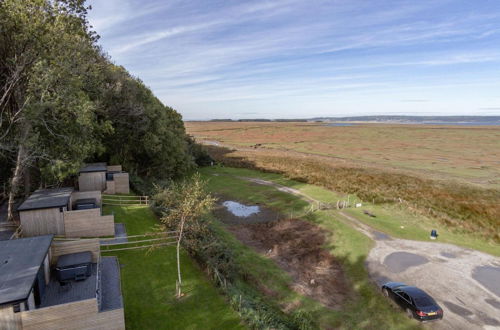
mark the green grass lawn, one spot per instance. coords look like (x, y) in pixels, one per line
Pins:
(395, 220)
(138, 220)
(148, 284)
(366, 308)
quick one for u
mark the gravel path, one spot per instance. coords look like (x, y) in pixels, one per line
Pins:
(465, 282)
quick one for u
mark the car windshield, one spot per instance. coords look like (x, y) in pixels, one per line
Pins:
(423, 301)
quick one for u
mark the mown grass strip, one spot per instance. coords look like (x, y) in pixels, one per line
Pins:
(148, 284)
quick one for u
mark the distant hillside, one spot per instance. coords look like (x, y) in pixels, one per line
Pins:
(480, 120)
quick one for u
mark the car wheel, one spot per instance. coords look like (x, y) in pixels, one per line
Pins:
(409, 313)
(386, 293)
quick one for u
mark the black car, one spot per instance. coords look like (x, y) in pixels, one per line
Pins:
(416, 302)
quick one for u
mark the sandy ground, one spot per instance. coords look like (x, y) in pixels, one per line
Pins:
(466, 283)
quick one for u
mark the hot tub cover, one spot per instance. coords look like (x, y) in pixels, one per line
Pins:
(72, 259)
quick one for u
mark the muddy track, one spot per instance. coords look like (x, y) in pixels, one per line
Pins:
(465, 282)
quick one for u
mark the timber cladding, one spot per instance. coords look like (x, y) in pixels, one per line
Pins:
(76, 195)
(59, 248)
(121, 183)
(91, 181)
(88, 223)
(77, 315)
(8, 319)
(110, 188)
(42, 222)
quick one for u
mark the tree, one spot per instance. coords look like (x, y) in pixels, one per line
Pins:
(63, 102)
(184, 203)
(148, 137)
(47, 57)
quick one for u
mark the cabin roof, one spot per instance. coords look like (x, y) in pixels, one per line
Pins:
(20, 260)
(94, 167)
(46, 199)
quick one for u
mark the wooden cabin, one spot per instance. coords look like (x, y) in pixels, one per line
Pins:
(109, 179)
(65, 212)
(32, 295)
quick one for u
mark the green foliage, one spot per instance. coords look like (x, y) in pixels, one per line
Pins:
(47, 54)
(63, 102)
(201, 156)
(148, 138)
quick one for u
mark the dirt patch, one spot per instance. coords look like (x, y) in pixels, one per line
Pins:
(297, 247)
(225, 215)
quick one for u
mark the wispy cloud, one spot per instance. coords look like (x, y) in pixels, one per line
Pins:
(227, 57)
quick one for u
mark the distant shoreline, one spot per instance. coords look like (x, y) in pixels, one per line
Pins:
(404, 120)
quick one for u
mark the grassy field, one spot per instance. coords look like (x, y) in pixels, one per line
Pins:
(390, 218)
(365, 308)
(148, 284)
(469, 154)
(467, 204)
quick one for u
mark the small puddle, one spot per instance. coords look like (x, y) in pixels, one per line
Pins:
(379, 236)
(240, 210)
(456, 309)
(448, 255)
(493, 302)
(398, 262)
(488, 276)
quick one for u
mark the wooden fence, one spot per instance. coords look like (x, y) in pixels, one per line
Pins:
(79, 315)
(65, 246)
(149, 240)
(125, 200)
(88, 223)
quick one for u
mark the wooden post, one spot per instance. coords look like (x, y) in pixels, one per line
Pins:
(8, 319)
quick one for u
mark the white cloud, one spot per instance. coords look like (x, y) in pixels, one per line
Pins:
(243, 54)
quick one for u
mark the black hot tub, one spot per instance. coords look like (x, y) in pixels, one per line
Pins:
(74, 266)
(85, 204)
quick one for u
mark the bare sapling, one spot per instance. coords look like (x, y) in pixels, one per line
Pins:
(184, 203)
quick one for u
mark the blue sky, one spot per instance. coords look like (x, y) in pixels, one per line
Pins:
(302, 59)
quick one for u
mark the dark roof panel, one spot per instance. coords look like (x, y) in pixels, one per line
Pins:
(94, 167)
(20, 260)
(46, 199)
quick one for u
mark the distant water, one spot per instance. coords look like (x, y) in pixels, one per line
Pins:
(422, 123)
(340, 124)
(463, 124)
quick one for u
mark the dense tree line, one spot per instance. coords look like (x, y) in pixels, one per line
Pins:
(63, 102)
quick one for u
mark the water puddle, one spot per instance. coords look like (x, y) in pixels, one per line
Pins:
(398, 262)
(456, 309)
(379, 236)
(488, 276)
(240, 210)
